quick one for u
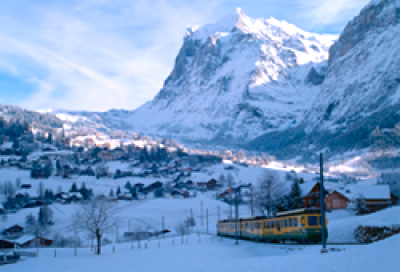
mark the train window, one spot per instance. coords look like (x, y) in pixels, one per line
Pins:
(266, 224)
(290, 222)
(313, 220)
(272, 224)
(286, 223)
(295, 222)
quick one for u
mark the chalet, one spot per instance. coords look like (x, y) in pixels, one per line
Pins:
(26, 186)
(374, 197)
(75, 196)
(311, 194)
(105, 155)
(210, 185)
(118, 152)
(32, 241)
(336, 200)
(125, 195)
(13, 232)
(179, 194)
(153, 186)
(7, 244)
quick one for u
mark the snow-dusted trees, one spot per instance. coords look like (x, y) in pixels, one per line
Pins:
(269, 190)
(97, 218)
(295, 199)
(45, 216)
(185, 227)
(221, 180)
(39, 227)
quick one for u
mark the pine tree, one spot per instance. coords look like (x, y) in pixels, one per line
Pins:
(295, 199)
(111, 194)
(74, 188)
(45, 216)
(128, 185)
(118, 190)
(84, 191)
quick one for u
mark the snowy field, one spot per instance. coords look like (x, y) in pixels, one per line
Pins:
(212, 254)
(208, 254)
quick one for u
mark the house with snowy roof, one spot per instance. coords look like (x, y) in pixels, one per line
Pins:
(374, 197)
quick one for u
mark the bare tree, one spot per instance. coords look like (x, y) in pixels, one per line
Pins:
(8, 189)
(270, 188)
(185, 227)
(96, 218)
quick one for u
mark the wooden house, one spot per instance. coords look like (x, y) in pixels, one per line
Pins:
(6, 244)
(13, 232)
(336, 200)
(312, 196)
(209, 185)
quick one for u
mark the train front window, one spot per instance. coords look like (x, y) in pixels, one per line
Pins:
(313, 220)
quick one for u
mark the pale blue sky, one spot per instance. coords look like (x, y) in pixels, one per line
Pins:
(103, 54)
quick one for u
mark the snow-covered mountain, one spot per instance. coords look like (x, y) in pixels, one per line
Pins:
(237, 79)
(268, 85)
(358, 105)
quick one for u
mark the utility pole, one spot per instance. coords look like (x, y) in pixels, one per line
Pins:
(236, 216)
(322, 204)
(251, 200)
(230, 199)
(201, 212)
(163, 225)
(207, 221)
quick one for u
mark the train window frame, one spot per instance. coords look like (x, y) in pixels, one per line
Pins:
(290, 222)
(295, 222)
(303, 221)
(286, 223)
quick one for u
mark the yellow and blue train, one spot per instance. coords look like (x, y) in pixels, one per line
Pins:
(301, 225)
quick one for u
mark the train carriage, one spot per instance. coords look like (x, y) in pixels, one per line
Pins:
(302, 225)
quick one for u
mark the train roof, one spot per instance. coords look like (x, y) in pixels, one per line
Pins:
(298, 211)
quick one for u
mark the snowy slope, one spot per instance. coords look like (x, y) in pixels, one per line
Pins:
(211, 254)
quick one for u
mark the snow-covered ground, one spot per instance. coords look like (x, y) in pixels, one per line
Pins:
(214, 254)
(211, 254)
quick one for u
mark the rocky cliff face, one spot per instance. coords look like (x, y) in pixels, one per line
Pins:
(358, 105)
(237, 79)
